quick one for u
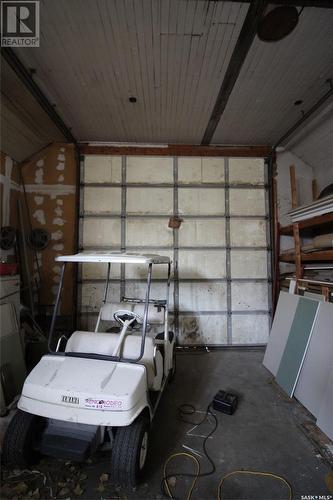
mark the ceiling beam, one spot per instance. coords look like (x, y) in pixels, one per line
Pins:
(25, 76)
(176, 150)
(236, 62)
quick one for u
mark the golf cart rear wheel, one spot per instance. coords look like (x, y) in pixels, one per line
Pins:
(129, 452)
(21, 438)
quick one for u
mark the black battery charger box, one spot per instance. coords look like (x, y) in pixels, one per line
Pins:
(225, 402)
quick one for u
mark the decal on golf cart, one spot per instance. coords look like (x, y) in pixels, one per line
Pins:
(103, 404)
(70, 399)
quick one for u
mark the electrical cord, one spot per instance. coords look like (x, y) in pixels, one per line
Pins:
(188, 409)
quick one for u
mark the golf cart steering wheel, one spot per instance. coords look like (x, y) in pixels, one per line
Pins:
(124, 315)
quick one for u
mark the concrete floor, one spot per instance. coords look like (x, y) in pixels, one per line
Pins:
(264, 434)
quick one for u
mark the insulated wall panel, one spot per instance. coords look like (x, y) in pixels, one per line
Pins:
(102, 201)
(200, 170)
(200, 201)
(101, 233)
(248, 202)
(149, 169)
(221, 271)
(150, 201)
(102, 169)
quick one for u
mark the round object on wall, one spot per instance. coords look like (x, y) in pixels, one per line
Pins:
(277, 23)
(7, 237)
(38, 238)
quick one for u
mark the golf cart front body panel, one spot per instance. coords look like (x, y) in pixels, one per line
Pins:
(84, 390)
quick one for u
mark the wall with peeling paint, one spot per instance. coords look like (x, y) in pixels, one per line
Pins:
(50, 186)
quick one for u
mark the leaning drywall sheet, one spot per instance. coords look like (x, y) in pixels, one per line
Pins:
(325, 415)
(296, 346)
(283, 319)
(318, 361)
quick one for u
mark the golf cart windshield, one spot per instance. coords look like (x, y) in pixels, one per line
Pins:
(126, 317)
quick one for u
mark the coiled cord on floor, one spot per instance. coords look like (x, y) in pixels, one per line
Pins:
(188, 409)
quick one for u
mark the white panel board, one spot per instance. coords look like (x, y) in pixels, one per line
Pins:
(93, 294)
(315, 371)
(193, 201)
(246, 171)
(157, 291)
(247, 202)
(283, 318)
(248, 263)
(249, 296)
(101, 232)
(200, 170)
(152, 169)
(203, 329)
(102, 200)
(148, 232)
(140, 271)
(250, 329)
(248, 233)
(201, 264)
(325, 415)
(154, 201)
(102, 169)
(202, 232)
(202, 297)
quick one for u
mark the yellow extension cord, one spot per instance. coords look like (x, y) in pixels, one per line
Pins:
(196, 476)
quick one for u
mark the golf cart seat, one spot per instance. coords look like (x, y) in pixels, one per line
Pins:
(155, 314)
(105, 343)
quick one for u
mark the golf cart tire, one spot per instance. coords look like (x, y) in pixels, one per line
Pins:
(125, 460)
(20, 438)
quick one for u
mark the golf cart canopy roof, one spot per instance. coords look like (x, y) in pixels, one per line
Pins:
(115, 257)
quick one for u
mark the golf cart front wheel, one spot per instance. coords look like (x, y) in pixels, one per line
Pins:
(129, 453)
(21, 439)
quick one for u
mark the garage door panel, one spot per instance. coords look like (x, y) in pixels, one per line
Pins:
(202, 232)
(140, 271)
(93, 271)
(93, 293)
(246, 171)
(202, 297)
(203, 330)
(201, 201)
(157, 292)
(151, 170)
(247, 202)
(148, 232)
(102, 200)
(250, 329)
(249, 264)
(102, 169)
(101, 232)
(200, 170)
(248, 233)
(249, 296)
(202, 264)
(152, 201)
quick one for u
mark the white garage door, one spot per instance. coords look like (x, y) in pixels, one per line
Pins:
(221, 281)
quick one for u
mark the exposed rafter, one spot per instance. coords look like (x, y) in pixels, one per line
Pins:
(237, 59)
(25, 76)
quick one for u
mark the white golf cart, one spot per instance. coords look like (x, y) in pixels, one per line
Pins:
(98, 388)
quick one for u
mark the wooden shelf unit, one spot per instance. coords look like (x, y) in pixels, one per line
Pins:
(319, 255)
(322, 223)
